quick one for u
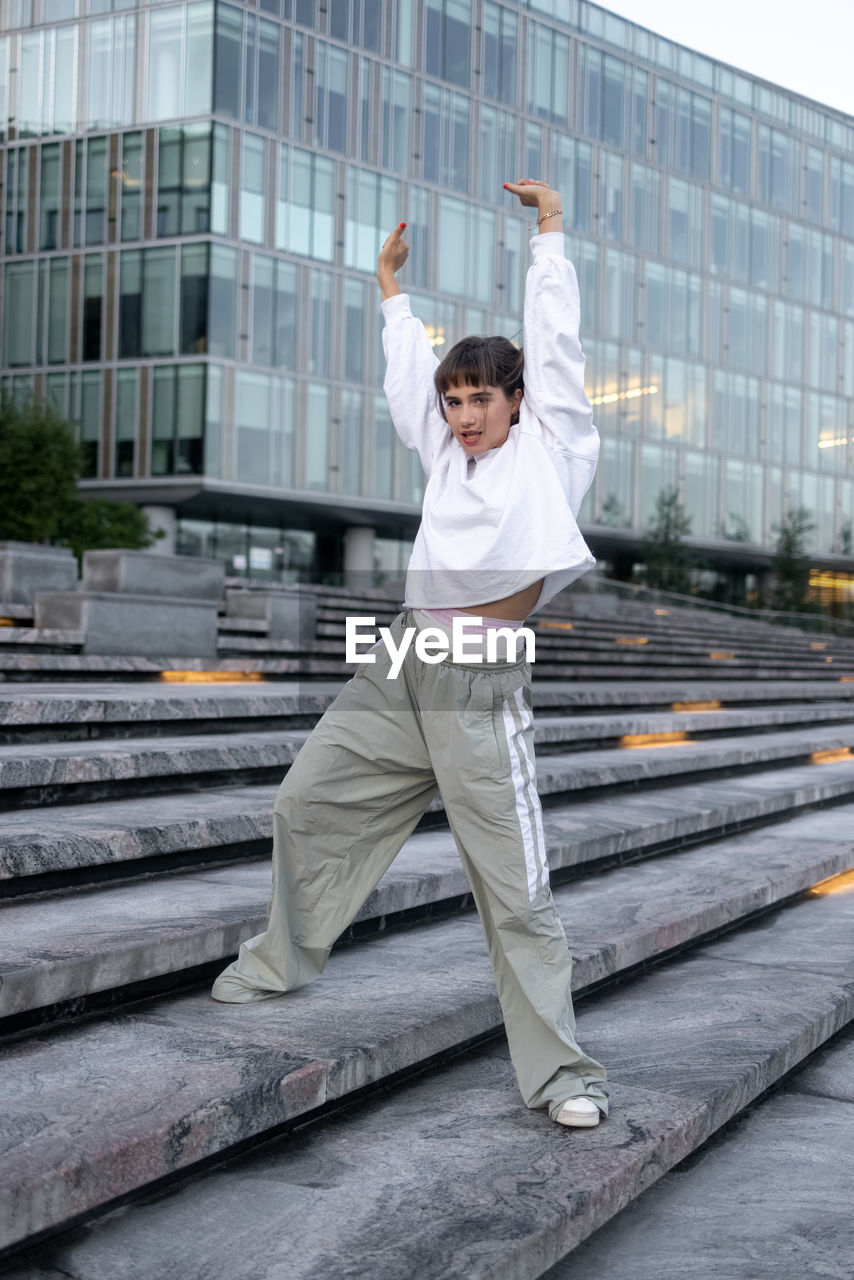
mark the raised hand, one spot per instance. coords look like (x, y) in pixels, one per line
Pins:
(394, 252)
(542, 197)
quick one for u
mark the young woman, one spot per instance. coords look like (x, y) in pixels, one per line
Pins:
(509, 448)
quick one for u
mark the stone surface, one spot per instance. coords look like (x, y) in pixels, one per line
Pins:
(290, 613)
(796, 1154)
(26, 568)
(61, 764)
(142, 625)
(450, 1176)
(58, 948)
(139, 573)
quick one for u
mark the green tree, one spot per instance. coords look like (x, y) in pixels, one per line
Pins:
(790, 564)
(665, 554)
(40, 463)
(91, 524)
(39, 466)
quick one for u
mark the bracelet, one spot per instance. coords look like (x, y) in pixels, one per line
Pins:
(554, 213)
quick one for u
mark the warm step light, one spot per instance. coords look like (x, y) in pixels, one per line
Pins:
(695, 706)
(662, 613)
(720, 653)
(631, 640)
(653, 739)
(7, 622)
(560, 626)
(831, 755)
(211, 677)
(842, 883)
(846, 679)
(818, 644)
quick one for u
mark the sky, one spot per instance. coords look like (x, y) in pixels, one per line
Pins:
(805, 45)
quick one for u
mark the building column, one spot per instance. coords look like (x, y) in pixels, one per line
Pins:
(162, 518)
(359, 556)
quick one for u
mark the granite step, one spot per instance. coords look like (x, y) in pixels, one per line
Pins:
(18, 667)
(47, 712)
(795, 1151)
(37, 774)
(48, 721)
(72, 845)
(64, 947)
(447, 1175)
(107, 1108)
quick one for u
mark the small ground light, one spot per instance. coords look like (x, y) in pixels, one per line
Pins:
(842, 883)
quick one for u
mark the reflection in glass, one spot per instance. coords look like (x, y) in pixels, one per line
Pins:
(305, 216)
(125, 432)
(19, 314)
(194, 299)
(222, 319)
(93, 307)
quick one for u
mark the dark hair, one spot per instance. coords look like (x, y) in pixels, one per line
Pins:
(481, 362)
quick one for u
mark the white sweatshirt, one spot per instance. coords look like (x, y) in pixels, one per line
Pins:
(487, 535)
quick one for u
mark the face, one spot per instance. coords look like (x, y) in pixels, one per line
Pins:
(480, 416)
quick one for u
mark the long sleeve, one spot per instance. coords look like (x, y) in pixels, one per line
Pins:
(408, 385)
(554, 361)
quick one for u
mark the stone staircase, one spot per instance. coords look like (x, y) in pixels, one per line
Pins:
(370, 1124)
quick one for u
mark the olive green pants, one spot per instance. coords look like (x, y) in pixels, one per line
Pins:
(355, 793)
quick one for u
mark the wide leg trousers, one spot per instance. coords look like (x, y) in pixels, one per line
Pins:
(355, 793)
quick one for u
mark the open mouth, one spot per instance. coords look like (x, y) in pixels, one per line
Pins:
(471, 437)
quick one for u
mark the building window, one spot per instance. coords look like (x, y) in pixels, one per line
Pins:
(222, 316)
(131, 179)
(253, 189)
(357, 22)
(194, 299)
(93, 307)
(47, 81)
(180, 42)
(372, 211)
(466, 247)
(331, 90)
(124, 459)
(274, 309)
(547, 79)
(320, 311)
(611, 197)
(17, 198)
(396, 111)
(445, 137)
(447, 52)
(317, 436)
(778, 169)
(685, 217)
(842, 195)
(19, 314)
(571, 165)
(111, 73)
(305, 207)
(734, 145)
(184, 180)
(177, 420)
(351, 435)
(500, 41)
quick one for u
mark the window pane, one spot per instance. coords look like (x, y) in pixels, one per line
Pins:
(252, 190)
(92, 307)
(57, 321)
(166, 41)
(223, 302)
(194, 299)
(158, 309)
(19, 319)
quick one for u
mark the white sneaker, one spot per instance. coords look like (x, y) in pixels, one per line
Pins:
(578, 1112)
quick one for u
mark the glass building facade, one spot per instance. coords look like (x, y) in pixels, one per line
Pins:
(194, 195)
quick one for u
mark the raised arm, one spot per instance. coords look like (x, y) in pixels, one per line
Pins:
(554, 361)
(410, 359)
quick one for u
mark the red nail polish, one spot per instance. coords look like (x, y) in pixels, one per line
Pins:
(403, 226)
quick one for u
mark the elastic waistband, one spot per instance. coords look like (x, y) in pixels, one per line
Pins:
(475, 643)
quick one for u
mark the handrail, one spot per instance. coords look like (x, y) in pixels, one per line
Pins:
(778, 617)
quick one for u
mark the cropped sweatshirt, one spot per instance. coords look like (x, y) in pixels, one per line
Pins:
(491, 530)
